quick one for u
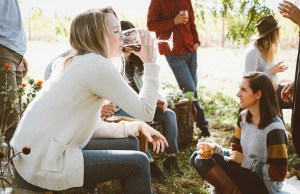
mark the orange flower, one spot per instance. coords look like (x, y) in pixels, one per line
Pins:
(24, 85)
(26, 150)
(7, 66)
(39, 83)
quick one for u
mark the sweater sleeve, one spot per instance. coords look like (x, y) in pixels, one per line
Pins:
(276, 167)
(105, 81)
(154, 23)
(115, 130)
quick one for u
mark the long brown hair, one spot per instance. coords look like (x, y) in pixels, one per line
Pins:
(268, 45)
(268, 105)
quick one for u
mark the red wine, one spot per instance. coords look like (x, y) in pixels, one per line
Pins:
(134, 47)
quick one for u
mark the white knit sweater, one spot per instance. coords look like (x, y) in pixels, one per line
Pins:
(64, 114)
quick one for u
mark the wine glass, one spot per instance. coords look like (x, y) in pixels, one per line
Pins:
(184, 12)
(204, 149)
(132, 39)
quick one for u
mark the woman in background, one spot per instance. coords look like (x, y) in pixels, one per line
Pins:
(262, 55)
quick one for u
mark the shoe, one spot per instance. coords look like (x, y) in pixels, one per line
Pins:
(171, 162)
(204, 132)
(156, 172)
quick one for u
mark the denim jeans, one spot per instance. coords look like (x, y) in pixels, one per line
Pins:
(169, 124)
(131, 167)
(106, 159)
(14, 79)
(247, 181)
(185, 72)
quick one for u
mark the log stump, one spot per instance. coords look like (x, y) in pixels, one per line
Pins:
(185, 112)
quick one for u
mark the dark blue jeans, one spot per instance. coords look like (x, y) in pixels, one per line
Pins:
(169, 124)
(185, 72)
(248, 182)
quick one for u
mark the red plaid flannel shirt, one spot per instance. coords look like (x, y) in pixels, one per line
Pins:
(160, 19)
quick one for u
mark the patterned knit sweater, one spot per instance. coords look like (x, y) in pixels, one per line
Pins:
(265, 150)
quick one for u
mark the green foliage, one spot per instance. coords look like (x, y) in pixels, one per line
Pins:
(293, 159)
(240, 16)
(219, 108)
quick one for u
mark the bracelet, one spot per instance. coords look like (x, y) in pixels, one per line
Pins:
(253, 165)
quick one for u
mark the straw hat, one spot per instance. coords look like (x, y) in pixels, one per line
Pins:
(264, 26)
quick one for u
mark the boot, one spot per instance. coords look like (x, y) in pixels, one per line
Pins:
(156, 172)
(204, 132)
(221, 181)
(171, 162)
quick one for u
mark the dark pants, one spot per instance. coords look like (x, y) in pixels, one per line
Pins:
(248, 182)
(9, 116)
(185, 72)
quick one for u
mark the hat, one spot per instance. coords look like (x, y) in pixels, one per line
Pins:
(264, 26)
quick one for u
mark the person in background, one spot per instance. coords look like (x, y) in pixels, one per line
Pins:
(133, 70)
(12, 49)
(257, 159)
(177, 17)
(291, 92)
(61, 120)
(262, 55)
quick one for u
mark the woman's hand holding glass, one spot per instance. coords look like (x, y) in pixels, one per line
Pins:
(142, 44)
(206, 148)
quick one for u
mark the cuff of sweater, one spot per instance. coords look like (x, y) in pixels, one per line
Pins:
(131, 128)
(247, 162)
(218, 150)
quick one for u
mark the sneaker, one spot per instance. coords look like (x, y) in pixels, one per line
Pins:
(156, 172)
(171, 162)
(204, 132)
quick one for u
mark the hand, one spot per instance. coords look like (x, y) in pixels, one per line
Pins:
(236, 157)
(287, 92)
(108, 109)
(180, 19)
(279, 67)
(196, 46)
(25, 67)
(161, 104)
(157, 140)
(290, 11)
(148, 51)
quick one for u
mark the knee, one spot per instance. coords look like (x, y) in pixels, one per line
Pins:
(192, 158)
(142, 160)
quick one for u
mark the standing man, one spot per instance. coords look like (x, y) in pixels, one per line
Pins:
(177, 16)
(12, 49)
(292, 90)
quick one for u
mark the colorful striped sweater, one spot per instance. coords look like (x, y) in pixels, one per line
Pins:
(265, 150)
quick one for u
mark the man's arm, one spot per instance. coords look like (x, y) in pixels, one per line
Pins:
(193, 26)
(154, 23)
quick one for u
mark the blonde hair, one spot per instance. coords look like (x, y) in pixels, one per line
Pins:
(268, 45)
(88, 33)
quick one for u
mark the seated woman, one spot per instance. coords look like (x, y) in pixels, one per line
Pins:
(132, 71)
(261, 55)
(60, 122)
(257, 159)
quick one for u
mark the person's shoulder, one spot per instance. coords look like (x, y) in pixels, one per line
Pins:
(276, 124)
